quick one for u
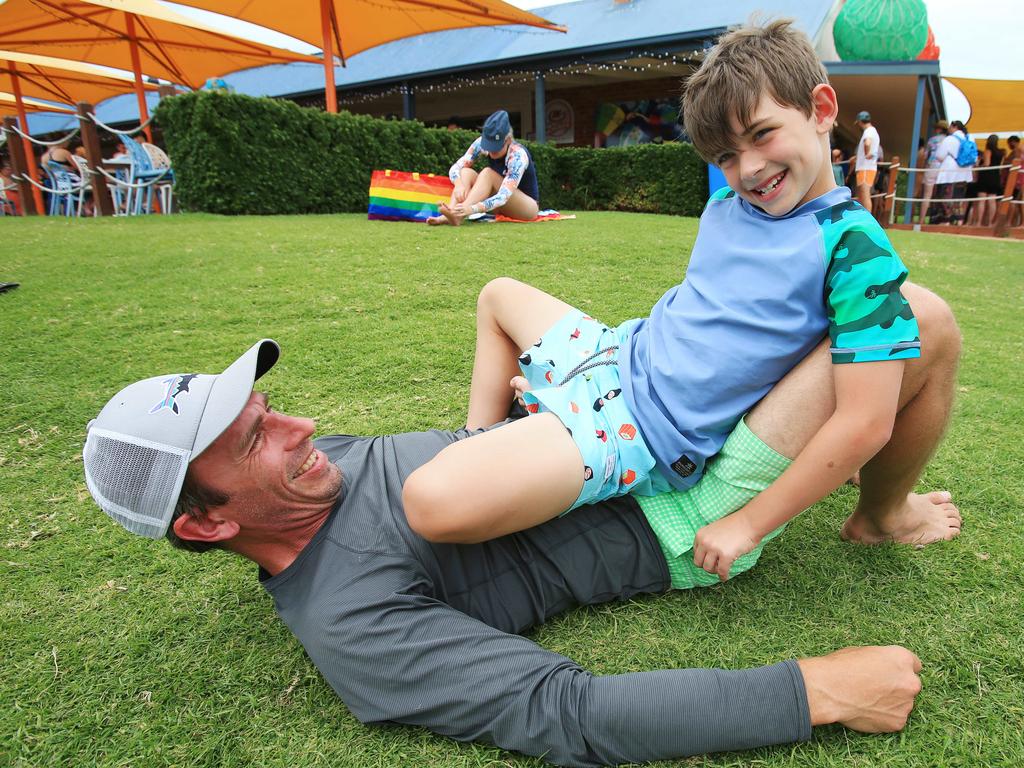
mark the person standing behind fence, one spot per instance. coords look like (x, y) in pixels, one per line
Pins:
(867, 159)
(990, 185)
(941, 131)
(951, 183)
(1015, 156)
(951, 180)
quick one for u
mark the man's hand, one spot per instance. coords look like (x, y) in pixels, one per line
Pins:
(717, 545)
(460, 192)
(869, 689)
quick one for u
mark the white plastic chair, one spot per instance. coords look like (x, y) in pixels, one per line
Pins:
(160, 161)
(83, 171)
(6, 204)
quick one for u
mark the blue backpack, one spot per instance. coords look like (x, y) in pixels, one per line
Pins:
(967, 155)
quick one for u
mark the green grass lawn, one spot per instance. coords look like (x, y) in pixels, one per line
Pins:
(120, 652)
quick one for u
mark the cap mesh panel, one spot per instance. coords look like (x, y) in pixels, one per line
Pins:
(136, 482)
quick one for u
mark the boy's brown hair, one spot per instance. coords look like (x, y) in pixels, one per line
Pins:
(746, 62)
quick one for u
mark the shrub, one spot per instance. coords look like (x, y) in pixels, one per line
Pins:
(237, 154)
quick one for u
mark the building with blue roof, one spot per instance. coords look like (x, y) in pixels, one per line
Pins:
(614, 77)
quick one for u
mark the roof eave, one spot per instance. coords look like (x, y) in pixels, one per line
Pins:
(693, 40)
(882, 67)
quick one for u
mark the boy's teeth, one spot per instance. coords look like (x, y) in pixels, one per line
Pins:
(768, 188)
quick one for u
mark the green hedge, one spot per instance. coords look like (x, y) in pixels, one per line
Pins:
(236, 154)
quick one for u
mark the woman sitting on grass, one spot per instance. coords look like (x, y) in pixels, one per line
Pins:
(508, 185)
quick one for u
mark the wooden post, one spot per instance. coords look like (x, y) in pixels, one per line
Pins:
(885, 219)
(18, 164)
(94, 155)
(1002, 225)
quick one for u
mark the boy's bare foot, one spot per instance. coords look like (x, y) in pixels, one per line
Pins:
(921, 519)
(436, 220)
(449, 216)
(854, 479)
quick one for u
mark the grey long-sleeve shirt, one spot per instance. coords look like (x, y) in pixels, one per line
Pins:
(424, 634)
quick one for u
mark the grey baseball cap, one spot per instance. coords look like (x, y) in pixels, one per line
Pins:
(138, 449)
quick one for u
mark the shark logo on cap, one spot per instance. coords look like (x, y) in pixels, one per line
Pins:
(176, 385)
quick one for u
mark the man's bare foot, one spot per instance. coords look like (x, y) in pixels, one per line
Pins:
(922, 519)
(854, 479)
(435, 221)
(449, 216)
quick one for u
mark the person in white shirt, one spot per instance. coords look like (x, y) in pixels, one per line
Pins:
(867, 158)
(951, 182)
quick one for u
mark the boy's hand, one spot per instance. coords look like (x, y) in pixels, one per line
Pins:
(460, 192)
(717, 545)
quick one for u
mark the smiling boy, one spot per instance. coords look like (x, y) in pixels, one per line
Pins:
(783, 257)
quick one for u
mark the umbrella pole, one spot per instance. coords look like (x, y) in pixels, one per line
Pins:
(140, 92)
(330, 91)
(30, 156)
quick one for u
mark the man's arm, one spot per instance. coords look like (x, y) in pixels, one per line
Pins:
(417, 661)
(867, 396)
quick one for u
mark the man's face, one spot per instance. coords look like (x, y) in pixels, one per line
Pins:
(780, 160)
(265, 461)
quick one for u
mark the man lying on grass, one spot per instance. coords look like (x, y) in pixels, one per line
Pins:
(425, 634)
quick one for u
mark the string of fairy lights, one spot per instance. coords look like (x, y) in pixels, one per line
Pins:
(653, 62)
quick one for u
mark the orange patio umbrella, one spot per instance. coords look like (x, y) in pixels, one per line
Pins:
(9, 108)
(61, 80)
(140, 35)
(347, 27)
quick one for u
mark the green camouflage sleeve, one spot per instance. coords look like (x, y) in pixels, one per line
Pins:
(869, 320)
(722, 193)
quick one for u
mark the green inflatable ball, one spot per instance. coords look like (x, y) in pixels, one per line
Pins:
(881, 30)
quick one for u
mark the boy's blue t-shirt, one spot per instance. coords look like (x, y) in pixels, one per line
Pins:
(760, 292)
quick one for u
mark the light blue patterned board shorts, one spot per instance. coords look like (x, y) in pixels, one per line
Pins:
(574, 373)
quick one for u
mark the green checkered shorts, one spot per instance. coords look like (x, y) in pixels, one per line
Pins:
(742, 469)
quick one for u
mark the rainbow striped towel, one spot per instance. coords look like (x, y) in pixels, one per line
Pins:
(402, 196)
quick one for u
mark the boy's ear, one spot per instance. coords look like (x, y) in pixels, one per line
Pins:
(826, 107)
(208, 527)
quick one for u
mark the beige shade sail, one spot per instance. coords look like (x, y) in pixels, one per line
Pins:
(138, 35)
(344, 28)
(8, 105)
(45, 77)
(997, 106)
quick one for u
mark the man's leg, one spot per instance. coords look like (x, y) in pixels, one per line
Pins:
(888, 510)
(864, 182)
